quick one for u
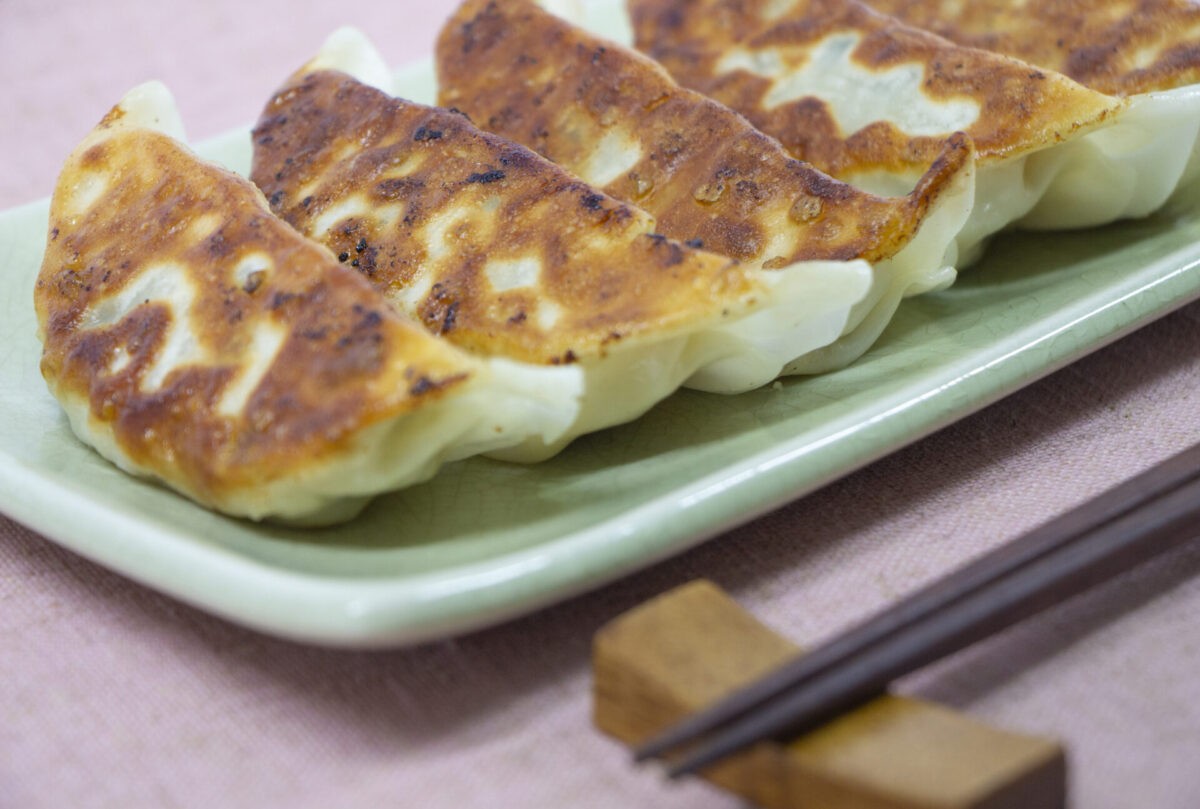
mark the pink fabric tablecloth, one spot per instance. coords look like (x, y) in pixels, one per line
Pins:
(114, 696)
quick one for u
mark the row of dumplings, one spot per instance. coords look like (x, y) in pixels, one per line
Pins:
(571, 237)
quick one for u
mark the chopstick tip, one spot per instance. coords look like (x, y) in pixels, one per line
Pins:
(657, 746)
(684, 768)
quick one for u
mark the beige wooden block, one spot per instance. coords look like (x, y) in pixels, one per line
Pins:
(686, 649)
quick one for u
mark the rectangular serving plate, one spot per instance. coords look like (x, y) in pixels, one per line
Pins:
(486, 541)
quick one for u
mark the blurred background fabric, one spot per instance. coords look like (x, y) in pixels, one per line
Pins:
(112, 695)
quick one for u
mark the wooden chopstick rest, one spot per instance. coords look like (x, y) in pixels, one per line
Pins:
(684, 650)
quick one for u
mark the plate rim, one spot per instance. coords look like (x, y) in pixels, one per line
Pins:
(355, 612)
(400, 611)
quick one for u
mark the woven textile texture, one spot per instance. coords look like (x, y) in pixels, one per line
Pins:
(112, 695)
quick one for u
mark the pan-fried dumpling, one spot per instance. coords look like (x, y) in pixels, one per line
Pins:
(618, 121)
(193, 337)
(1115, 48)
(505, 254)
(869, 99)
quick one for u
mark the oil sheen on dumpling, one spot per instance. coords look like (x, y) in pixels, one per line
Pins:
(193, 337)
(503, 253)
(617, 120)
(863, 96)
(1116, 48)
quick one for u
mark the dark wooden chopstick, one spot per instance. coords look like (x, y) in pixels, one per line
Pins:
(1064, 557)
(938, 596)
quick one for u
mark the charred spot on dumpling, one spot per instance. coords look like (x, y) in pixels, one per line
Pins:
(485, 177)
(672, 144)
(477, 33)
(218, 246)
(281, 299)
(750, 191)
(669, 253)
(592, 201)
(367, 261)
(71, 283)
(507, 116)
(514, 158)
(423, 385)
(397, 188)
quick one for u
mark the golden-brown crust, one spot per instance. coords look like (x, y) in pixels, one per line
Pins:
(700, 168)
(490, 245)
(132, 205)
(1021, 107)
(1120, 48)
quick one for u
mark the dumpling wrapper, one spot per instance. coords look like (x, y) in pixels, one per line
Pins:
(869, 99)
(505, 254)
(193, 337)
(1116, 48)
(618, 121)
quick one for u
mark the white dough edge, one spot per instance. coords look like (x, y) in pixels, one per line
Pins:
(1126, 170)
(797, 310)
(493, 410)
(1125, 167)
(926, 264)
(504, 404)
(527, 413)
(949, 236)
(800, 310)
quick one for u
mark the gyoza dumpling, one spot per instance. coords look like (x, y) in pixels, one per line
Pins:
(505, 254)
(869, 99)
(193, 337)
(1116, 48)
(618, 121)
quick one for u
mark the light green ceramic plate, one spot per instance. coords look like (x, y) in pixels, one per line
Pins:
(485, 541)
